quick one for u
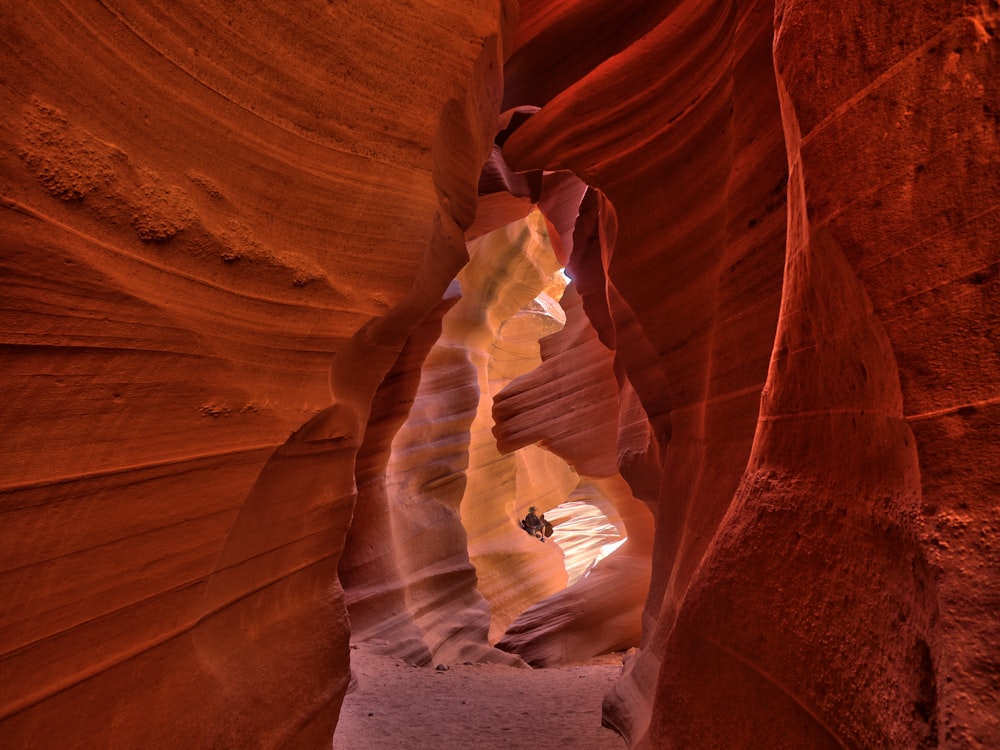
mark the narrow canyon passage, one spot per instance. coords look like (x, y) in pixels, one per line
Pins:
(482, 422)
(395, 706)
(286, 352)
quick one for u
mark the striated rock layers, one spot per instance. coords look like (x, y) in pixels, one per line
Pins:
(221, 225)
(440, 536)
(806, 248)
(231, 346)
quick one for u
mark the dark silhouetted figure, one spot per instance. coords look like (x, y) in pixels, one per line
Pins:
(533, 524)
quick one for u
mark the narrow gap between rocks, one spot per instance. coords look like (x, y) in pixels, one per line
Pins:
(498, 420)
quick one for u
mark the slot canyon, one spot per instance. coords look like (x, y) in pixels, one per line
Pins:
(305, 304)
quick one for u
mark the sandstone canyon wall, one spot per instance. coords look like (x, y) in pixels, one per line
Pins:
(221, 225)
(245, 394)
(825, 563)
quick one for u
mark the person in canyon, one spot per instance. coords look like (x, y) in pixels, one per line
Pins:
(532, 523)
(537, 527)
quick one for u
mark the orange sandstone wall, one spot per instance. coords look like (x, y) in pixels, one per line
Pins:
(435, 558)
(227, 234)
(220, 225)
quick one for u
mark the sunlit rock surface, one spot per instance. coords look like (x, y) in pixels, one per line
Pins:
(586, 528)
(228, 239)
(570, 405)
(510, 281)
(440, 530)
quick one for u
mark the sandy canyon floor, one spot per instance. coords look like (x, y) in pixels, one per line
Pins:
(485, 706)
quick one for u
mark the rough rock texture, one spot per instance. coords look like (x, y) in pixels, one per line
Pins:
(202, 205)
(228, 234)
(825, 566)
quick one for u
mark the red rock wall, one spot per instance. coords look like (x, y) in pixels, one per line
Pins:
(895, 173)
(203, 204)
(790, 270)
(823, 573)
(697, 185)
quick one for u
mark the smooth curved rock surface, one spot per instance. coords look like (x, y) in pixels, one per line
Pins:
(570, 406)
(512, 283)
(227, 239)
(811, 534)
(200, 212)
(436, 566)
(586, 528)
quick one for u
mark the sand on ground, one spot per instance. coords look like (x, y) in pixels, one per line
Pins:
(391, 704)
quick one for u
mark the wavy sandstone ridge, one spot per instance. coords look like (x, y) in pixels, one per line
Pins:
(250, 413)
(201, 216)
(815, 578)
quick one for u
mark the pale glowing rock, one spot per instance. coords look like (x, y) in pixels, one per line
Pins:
(501, 323)
(585, 530)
